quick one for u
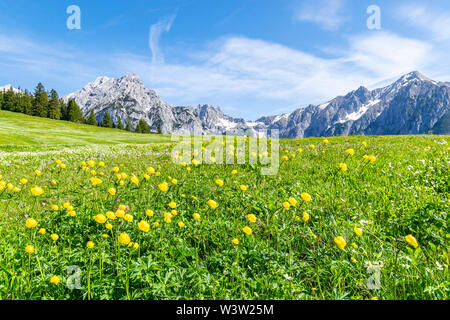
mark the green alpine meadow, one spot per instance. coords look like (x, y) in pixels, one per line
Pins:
(97, 213)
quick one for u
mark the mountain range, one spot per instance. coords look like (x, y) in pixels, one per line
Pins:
(413, 104)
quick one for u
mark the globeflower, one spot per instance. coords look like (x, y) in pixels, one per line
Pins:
(42, 231)
(340, 242)
(292, 202)
(181, 224)
(286, 205)
(212, 204)
(120, 213)
(55, 207)
(96, 181)
(172, 205)
(357, 231)
(124, 238)
(251, 217)
(90, 244)
(247, 230)
(371, 158)
(100, 218)
(234, 172)
(350, 152)
(128, 217)
(196, 216)
(29, 249)
(411, 240)
(112, 191)
(164, 187)
(135, 180)
(23, 181)
(150, 170)
(306, 197)
(343, 167)
(149, 213)
(37, 191)
(235, 241)
(305, 216)
(144, 226)
(219, 182)
(243, 188)
(30, 223)
(55, 280)
(54, 236)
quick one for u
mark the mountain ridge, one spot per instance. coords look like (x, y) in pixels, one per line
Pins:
(413, 104)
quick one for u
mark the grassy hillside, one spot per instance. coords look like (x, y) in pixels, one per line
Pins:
(22, 130)
(343, 218)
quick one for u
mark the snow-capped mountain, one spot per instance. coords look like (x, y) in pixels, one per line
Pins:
(411, 105)
(8, 87)
(127, 97)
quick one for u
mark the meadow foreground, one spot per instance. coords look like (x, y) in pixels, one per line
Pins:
(344, 218)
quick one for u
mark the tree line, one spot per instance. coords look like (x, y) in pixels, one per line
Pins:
(48, 105)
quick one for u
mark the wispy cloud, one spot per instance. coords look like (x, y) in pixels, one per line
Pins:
(435, 22)
(155, 33)
(248, 77)
(328, 14)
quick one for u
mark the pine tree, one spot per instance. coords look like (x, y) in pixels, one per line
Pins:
(64, 113)
(40, 102)
(142, 127)
(107, 121)
(128, 125)
(9, 100)
(91, 120)
(119, 123)
(74, 112)
(159, 129)
(54, 109)
(26, 102)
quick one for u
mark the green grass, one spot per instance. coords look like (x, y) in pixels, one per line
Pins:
(39, 133)
(405, 191)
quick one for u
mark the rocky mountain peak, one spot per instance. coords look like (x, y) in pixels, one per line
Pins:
(412, 104)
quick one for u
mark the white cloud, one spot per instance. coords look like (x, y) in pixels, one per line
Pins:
(389, 55)
(326, 13)
(155, 33)
(436, 23)
(246, 77)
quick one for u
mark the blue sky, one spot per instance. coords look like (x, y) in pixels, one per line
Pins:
(250, 57)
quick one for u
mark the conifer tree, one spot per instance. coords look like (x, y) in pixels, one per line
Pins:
(107, 121)
(74, 112)
(64, 113)
(128, 125)
(91, 120)
(142, 127)
(54, 109)
(119, 123)
(40, 102)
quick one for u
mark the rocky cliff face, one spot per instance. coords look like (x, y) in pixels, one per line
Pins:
(411, 105)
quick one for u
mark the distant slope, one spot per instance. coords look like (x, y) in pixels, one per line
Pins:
(19, 129)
